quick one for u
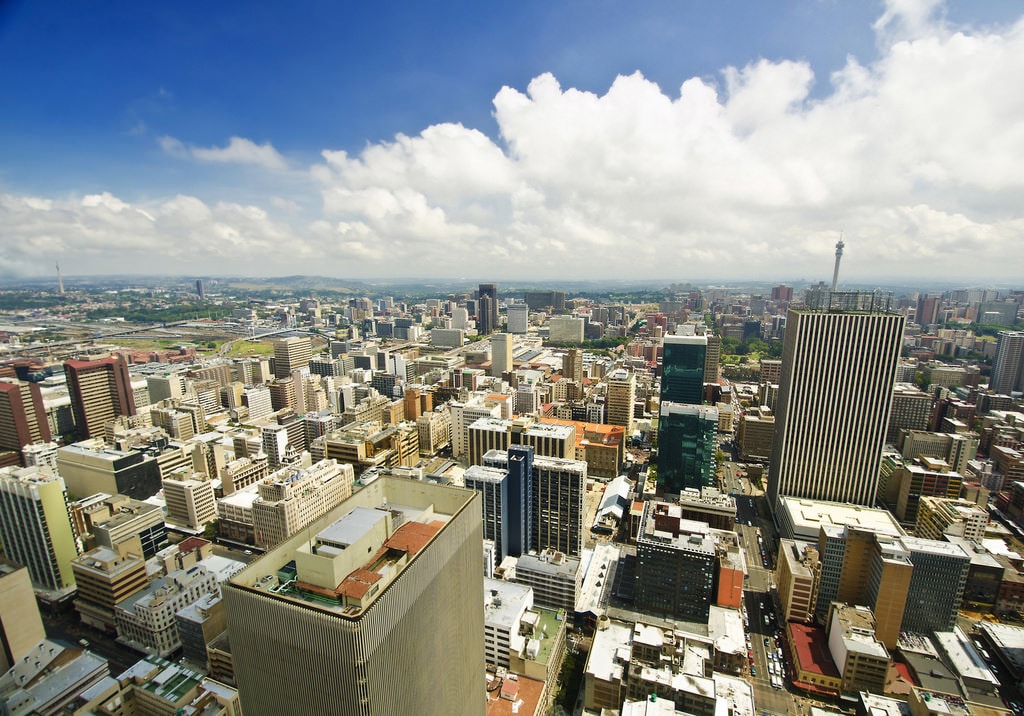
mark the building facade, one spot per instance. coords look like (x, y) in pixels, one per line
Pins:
(833, 408)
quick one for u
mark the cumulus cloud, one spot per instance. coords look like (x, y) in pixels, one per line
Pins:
(913, 154)
(103, 234)
(239, 150)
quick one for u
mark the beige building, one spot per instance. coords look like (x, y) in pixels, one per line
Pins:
(796, 575)
(145, 620)
(190, 499)
(620, 398)
(291, 354)
(292, 498)
(104, 578)
(862, 660)
(35, 528)
(938, 517)
(21, 627)
(755, 434)
(384, 591)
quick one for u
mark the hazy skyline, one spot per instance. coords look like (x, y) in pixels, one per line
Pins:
(676, 141)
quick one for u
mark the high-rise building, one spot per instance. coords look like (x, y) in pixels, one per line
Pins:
(682, 369)
(546, 496)
(572, 365)
(565, 329)
(620, 398)
(291, 354)
(21, 627)
(1008, 366)
(501, 354)
(487, 322)
(374, 609)
(35, 527)
(838, 370)
(100, 391)
(22, 416)
(518, 318)
(936, 584)
(676, 564)
(686, 446)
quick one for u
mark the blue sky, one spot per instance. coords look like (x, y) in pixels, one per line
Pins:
(535, 139)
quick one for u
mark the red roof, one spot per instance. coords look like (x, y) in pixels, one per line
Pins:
(411, 537)
(358, 583)
(812, 649)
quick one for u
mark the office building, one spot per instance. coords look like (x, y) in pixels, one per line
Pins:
(554, 497)
(375, 609)
(200, 623)
(487, 314)
(565, 330)
(938, 518)
(105, 577)
(911, 410)
(554, 577)
(686, 446)
(621, 398)
(291, 354)
(518, 315)
(572, 365)
(34, 525)
(22, 416)
(757, 426)
(936, 584)
(682, 369)
(501, 354)
(676, 564)
(550, 301)
(838, 370)
(505, 605)
(861, 658)
(503, 502)
(145, 620)
(100, 390)
(92, 466)
(294, 497)
(115, 520)
(21, 627)
(797, 572)
(861, 566)
(1008, 366)
(190, 499)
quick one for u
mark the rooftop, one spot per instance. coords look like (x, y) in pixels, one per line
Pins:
(349, 557)
(807, 516)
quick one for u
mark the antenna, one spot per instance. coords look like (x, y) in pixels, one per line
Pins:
(839, 257)
(60, 281)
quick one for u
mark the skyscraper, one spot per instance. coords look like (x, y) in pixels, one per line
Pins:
(291, 354)
(518, 318)
(35, 526)
(21, 627)
(682, 369)
(838, 371)
(1008, 366)
(501, 354)
(100, 391)
(374, 609)
(686, 446)
(620, 398)
(487, 322)
(22, 415)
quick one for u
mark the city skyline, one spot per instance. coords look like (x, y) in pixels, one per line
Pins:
(537, 141)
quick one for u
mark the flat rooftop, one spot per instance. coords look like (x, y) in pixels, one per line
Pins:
(345, 560)
(807, 517)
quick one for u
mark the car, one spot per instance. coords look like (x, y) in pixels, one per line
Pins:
(753, 671)
(766, 641)
(248, 551)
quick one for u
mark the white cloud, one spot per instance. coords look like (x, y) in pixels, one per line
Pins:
(239, 150)
(914, 155)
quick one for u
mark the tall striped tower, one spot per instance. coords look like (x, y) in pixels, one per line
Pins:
(835, 394)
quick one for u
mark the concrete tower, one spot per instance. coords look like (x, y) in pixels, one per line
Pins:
(835, 395)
